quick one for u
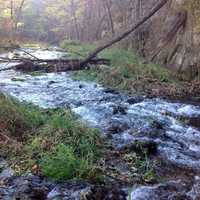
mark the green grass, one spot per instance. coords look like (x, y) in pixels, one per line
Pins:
(130, 66)
(127, 62)
(127, 72)
(51, 142)
(86, 75)
(76, 49)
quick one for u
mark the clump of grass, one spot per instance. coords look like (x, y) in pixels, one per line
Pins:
(54, 142)
(141, 167)
(64, 163)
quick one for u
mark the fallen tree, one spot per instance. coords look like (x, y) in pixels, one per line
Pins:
(51, 65)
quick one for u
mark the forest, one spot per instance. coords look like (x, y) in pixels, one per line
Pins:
(99, 99)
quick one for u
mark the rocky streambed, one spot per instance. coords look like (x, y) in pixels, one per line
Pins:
(168, 130)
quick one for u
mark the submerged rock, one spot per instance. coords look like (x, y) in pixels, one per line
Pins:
(171, 190)
(119, 109)
(116, 127)
(133, 100)
(30, 188)
(110, 90)
(6, 173)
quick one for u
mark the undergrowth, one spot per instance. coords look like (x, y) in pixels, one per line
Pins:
(55, 144)
(127, 71)
(48, 142)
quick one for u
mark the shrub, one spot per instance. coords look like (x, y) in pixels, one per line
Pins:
(61, 164)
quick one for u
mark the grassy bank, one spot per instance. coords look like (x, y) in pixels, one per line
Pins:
(131, 73)
(55, 144)
(48, 142)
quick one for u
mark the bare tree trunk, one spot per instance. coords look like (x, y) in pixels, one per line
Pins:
(75, 19)
(108, 7)
(11, 22)
(97, 34)
(14, 18)
(18, 15)
(125, 34)
(138, 17)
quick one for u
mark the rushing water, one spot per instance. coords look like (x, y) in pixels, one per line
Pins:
(124, 119)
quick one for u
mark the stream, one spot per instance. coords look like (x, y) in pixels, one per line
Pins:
(124, 120)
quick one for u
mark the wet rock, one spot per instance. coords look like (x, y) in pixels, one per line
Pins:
(6, 173)
(107, 193)
(37, 188)
(3, 164)
(26, 188)
(143, 146)
(70, 191)
(117, 127)
(194, 121)
(51, 82)
(194, 193)
(171, 190)
(109, 90)
(133, 100)
(158, 125)
(77, 104)
(81, 86)
(83, 191)
(120, 109)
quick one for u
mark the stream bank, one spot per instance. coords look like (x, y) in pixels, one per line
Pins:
(129, 123)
